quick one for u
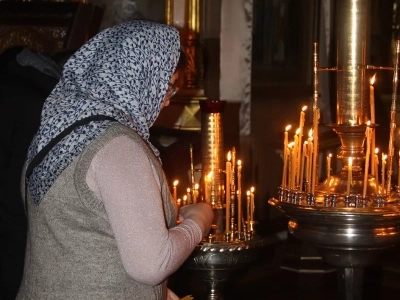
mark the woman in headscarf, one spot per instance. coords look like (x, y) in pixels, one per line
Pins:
(102, 222)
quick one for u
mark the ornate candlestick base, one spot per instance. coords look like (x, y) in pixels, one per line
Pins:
(347, 237)
(214, 262)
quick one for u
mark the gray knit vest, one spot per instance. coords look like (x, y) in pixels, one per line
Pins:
(71, 250)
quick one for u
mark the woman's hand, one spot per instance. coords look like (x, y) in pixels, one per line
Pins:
(171, 295)
(201, 213)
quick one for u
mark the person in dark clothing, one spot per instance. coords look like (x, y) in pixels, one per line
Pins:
(26, 79)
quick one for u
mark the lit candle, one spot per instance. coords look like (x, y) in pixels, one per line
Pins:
(239, 196)
(184, 202)
(228, 191)
(285, 155)
(384, 156)
(295, 171)
(328, 166)
(302, 164)
(376, 164)
(233, 167)
(189, 196)
(349, 174)
(367, 157)
(314, 179)
(196, 192)
(252, 204)
(301, 128)
(248, 207)
(175, 192)
(207, 192)
(372, 108)
(310, 159)
(290, 163)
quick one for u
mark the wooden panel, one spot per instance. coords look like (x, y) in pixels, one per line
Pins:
(47, 27)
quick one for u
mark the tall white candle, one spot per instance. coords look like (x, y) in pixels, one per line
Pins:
(239, 196)
(295, 171)
(290, 164)
(303, 155)
(372, 108)
(384, 156)
(196, 192)
(252, 207)
(248, 207)
(310, 159)
(285, 155)
(175, 191)
(376, 165)
(367, 157)
(189, 196)
(328, 166)
(228, 191)
(301, 129)
(349, 174)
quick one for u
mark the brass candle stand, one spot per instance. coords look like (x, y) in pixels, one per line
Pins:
(349, 217)
(228, 246)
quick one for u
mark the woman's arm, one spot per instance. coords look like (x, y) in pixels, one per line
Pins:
(122, 176)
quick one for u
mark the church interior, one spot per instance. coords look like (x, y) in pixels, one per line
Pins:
(265, 60)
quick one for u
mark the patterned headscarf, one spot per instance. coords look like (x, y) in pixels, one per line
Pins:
(123, 72)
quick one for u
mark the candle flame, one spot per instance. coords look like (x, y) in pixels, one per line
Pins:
(176, 182)
(188, 190)
(310, 133)
(372, 80)
(179, 200)
(330, 155)
(252, 189)
(304, 108)
(290, 145)
(350, 161)
(305, 142)
(287, 128)
(184, 198)
(298, 131)
(376, 150)
(248, 193)
(239, 162)
(384, 156)
(369, 123)
(196, 186)
(210, 175)
(229, 156)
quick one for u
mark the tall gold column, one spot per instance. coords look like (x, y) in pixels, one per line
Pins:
(186, 16)
(184, 111)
